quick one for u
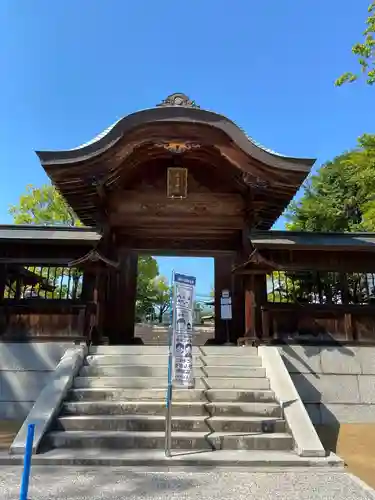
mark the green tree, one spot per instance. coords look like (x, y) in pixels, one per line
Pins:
(340, 197)
(162, 296)
(147, 272)
(43, 206)
(365, 52)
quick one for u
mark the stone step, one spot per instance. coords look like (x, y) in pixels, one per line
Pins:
(204, 459)
(233, 372)
(132, 360)
(179, 440)
(161, 382)
(236, 408)
(255, 441)
(123, 395)
(266, 425)
(237, 383)
(227, 409)
(195, 423)
(130, 382)
(133, 371)
(221, 350)
(238, 361)
(133, 349)
(162, 371)
(125, 440)
(132, 407)
(240, 395)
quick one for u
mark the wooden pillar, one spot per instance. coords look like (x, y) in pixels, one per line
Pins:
(3, 274)
(223, 281)
(249, 306)
(255, 298)
(122, 291)
(87, 297)
(3, 316)
(238, 307)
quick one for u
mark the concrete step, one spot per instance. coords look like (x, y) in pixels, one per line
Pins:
(123, 395)
(221, 350)
(133, 371)
(256, 441)
(131, 382)
(195, 423)
(237, 408)
(239, 395)
(237, 383)
(239, 361)
(227, 409)
(246, 424)
(207, 459)
(125, 440)
(180, 440)
(132, 394)
(132, 407)
(133, 349)
(233, 371)
(161, 382)
(132, 360)
(192, 423)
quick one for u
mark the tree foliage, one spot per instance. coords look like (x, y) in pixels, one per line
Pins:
(162, 296)
(340, 197)
(43, 206)
(365, 52)
(147, 272)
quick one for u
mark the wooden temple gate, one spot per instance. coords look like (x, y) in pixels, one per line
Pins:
(294, 287)
(176, 179)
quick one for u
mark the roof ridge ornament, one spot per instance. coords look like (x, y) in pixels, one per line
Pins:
(180, 100)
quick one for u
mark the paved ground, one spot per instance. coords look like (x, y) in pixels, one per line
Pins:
(140, 484)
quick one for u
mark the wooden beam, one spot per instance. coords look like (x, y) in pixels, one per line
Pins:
(180, 246)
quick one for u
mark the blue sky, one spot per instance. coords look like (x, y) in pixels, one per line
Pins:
(70, 68)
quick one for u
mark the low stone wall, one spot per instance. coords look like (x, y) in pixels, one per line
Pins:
(336, 384)
(24, 370)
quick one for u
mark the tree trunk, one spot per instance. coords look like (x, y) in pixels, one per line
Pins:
(161, 316)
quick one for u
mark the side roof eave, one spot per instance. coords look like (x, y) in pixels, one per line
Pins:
(260, 239)
(311, 240)
(181, 114)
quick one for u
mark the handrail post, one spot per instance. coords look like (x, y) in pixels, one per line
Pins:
(27, 462)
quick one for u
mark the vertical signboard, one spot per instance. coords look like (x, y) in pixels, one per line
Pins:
(183, 304)
(225, 305)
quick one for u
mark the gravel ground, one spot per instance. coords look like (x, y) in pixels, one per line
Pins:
(65, 483)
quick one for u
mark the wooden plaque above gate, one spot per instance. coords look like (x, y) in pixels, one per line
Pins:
(177, 182)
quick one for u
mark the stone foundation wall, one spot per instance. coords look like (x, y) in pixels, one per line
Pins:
(336, 384)
(24, 370)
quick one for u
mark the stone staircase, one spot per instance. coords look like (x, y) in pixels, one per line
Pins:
(117, 404)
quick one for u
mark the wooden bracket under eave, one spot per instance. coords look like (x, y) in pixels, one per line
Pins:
(257, 259)
(91, 257)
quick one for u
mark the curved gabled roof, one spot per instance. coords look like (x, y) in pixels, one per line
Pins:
(176, 108)
(133, 139)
